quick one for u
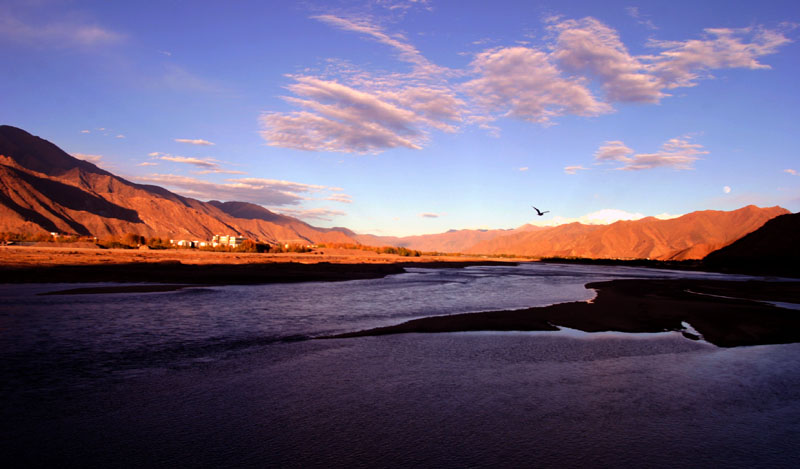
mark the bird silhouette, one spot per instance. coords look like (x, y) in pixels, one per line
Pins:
(539, 212)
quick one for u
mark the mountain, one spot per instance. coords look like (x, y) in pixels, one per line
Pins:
(43, 189)
(691, 236)
(450, 241)
(772, 249)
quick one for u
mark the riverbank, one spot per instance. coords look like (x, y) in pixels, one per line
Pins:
(724, 313)
(23, 264)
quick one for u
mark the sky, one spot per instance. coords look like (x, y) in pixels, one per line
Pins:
(403, 117)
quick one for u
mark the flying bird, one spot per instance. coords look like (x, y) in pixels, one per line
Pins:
(539, 212)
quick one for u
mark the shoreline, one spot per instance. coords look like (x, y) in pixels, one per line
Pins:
(187, 267)
(637, 305)
(176, 273)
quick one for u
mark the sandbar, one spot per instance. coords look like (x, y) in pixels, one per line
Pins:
(644, 306)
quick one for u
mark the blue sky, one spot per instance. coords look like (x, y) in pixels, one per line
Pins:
(407, 117)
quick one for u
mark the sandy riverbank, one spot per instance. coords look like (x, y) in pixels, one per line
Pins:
(645, 306)
(36, 264)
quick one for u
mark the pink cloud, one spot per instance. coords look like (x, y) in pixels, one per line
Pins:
(574, 169)
(56, 34)
(522, 82)
(677, 153)
(682, 63)
(194, 141)
(589, 46)
(341, 118)
(91, 158)
(207, 163)
(613, 150)
(262, 191)
(342, 198)
(347, 109)
(324, 214)
(407, 52)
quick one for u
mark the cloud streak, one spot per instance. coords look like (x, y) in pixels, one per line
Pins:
(59, 34)
(206, 165)
(194, 141)
(271, 192)
(676, 153)
(574, 169)
(91, 158)
(340, 118)
(322, 214)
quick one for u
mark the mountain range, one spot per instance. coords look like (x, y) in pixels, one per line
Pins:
(44, 189)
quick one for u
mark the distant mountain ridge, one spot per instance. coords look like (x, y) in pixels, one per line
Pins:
(43, 189)
(691, 236)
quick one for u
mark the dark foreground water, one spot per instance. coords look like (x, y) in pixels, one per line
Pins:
(226, 376)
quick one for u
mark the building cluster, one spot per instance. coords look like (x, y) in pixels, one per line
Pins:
(231, 241)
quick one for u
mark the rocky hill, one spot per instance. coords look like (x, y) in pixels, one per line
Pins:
(43, 189)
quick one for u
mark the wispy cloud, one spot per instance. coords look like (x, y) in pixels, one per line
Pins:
(343, 198)
(85, 131)
(323, 214)
(523, 83)
(147, 163)
(793, 172)
(58, 34)
(363, 112)
(207, 165)
(180, 79)
(676, 153)
(522, 169)
(343, 119)
(574, 169)
(640, 18)
(194, 141)
(203, 163)
(613, 150)
(682, 63)
(589, 47)
(272, 192)
(406, 51)
(86, 157)
(429, 215)
(726, 189)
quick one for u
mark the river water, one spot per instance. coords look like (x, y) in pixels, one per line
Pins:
(220, 376)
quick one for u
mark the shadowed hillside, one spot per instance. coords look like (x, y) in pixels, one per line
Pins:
(772, 249)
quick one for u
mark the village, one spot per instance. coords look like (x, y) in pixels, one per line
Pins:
(234, 241)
